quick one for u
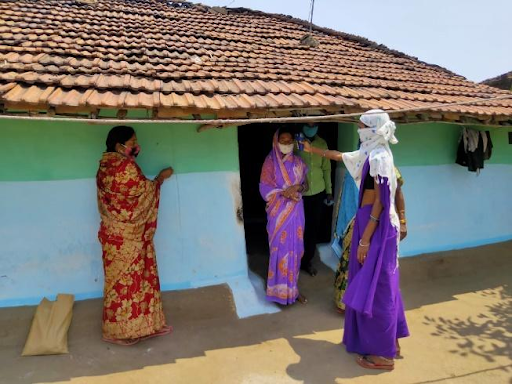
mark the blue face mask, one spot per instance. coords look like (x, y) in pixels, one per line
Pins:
(310, 131)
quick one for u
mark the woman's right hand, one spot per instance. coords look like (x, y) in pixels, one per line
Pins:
(291, 192)
(307, 146)
(165, 173)
(362, 252)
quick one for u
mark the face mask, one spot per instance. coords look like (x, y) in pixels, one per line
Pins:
(131, 152)
(286, 148)
(310, 131)
(366, 134)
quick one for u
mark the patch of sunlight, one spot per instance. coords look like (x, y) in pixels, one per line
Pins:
(334, 336)
(255, 364)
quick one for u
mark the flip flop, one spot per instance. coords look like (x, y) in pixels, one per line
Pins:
(122, 342)
(165, 330)
(302, 299)
(365, 362)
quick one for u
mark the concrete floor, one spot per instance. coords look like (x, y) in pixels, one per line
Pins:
(459, 308)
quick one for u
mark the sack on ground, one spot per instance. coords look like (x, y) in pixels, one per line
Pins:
(49, 331)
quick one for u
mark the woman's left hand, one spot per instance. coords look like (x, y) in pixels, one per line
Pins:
(403, 231)
(362, 253)
(307, 146)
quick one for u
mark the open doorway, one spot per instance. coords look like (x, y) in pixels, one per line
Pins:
(255, 143)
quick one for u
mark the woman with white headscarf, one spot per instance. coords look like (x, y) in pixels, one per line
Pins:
(374, 316)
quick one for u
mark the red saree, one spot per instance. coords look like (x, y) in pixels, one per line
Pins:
(128, 205)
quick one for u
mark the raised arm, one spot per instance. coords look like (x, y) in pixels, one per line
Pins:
(329, 154)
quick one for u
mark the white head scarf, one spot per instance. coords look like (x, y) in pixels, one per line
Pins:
(374, 145)
(375, 142)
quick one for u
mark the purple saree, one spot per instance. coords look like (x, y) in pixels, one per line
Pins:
(285, 225)
(374, 317)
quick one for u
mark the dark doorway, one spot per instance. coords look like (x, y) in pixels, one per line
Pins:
(255, 143)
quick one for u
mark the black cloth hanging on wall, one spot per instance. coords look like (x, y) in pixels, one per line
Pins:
(474, 159)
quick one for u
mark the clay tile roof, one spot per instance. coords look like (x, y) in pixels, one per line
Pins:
(175, 55)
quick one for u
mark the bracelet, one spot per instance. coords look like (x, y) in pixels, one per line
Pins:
(403, 221)
(363, 245)
(323, 154)
(374, 219)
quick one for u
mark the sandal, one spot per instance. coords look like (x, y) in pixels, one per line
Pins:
(165, 330)
(302, 299)
(366, 362)
(309, 269)
(122, 342)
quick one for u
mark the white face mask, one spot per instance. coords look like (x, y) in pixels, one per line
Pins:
(286, 148)
(366, 134)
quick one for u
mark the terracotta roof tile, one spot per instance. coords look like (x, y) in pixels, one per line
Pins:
(151, 53)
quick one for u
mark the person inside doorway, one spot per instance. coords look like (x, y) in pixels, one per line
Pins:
(320, 190)
(282, 183)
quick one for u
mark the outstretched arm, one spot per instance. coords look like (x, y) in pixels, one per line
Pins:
(329, 154)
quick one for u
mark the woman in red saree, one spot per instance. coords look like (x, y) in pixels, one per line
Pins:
(128, 205)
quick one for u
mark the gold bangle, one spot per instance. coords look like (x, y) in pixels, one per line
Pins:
(403, 221)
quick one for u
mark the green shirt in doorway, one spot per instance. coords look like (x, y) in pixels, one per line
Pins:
(319, 173)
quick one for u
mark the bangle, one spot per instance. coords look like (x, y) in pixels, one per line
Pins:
(374, 219)
(403, 221)
(363, 245)
(323, 154)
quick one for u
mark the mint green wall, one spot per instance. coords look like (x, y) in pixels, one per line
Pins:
(502, 150)
(33, 151)
(347, 137)
(430, 143)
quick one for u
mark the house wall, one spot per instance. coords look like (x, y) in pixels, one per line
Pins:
(449, 207)
(49, 214)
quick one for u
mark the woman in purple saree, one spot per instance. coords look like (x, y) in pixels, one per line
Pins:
(374, 317)
(283, 179)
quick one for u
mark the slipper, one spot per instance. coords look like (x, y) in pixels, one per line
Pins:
(302, 299)
(165, 330)
(122, 342)
(310, 270)
(365, 362)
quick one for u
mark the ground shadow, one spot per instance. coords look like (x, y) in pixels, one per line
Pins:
(324, 362)
(205, 319)
(488, 335)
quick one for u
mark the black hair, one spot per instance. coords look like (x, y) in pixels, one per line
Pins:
(285, 129)
(118, 135)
